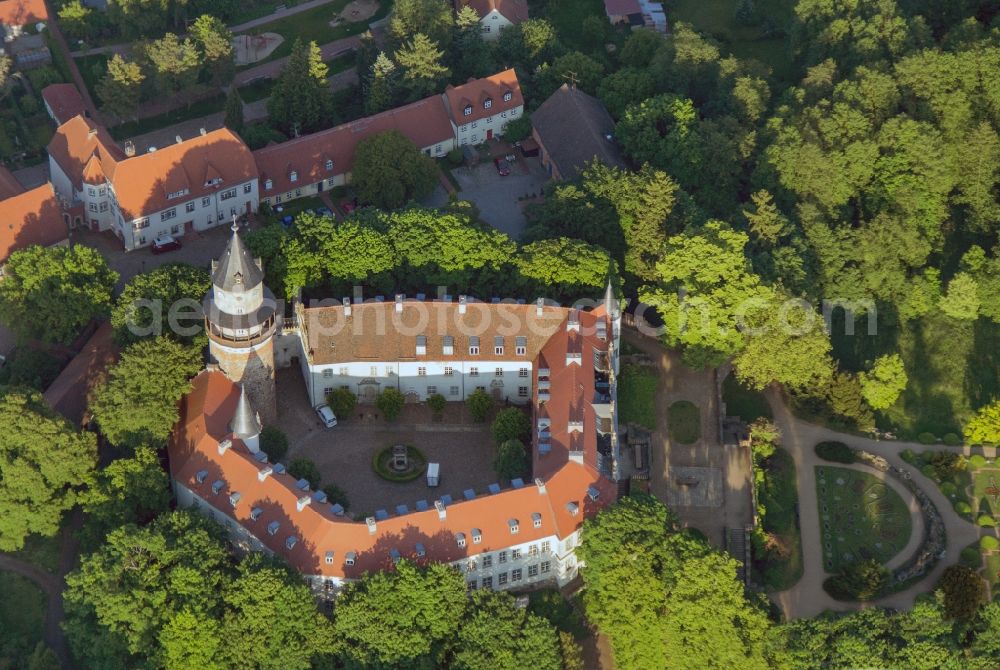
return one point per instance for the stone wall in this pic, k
(254, 368)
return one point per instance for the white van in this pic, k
(433, 470)
(326, 415)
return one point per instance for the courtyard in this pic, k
(861, 517)
(344, 454)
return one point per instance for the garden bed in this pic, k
(381, 464)
(636, 393)
(780, 566)
(684, 422)
(748, 404)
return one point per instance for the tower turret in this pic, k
(240, 320)
(246, 424)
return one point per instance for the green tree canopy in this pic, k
(301, 101)
(497, 635)
(510, 424)
(887, 379)
(389, 170)
(511, 459)
(145, 304)
(423, 66)
(984, 427)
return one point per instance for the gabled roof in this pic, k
(31, 217)
(9, 185)
(475, 93)
(64, 101)
(22, 12)
(244, 424)
(574, 129)
(236, 269)
(622, 7)
(514, 11)
(77, 141)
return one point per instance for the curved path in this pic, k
(807, 598)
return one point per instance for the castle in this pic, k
(562, 361)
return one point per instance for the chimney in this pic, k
(264, 473)
(539, 306)
(202, 131)
(399, 303)
(302, 502)
(442, 512)
(225, 445)
(572, 508)
(347, 306)
(541, 486)
(371, 525)
(91, 133)
(462, 301)
(177, 139)
(129, 148)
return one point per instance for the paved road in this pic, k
(807, 598)
(56, 33)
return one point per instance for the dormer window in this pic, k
(487, 103)
(329, 558)
(467, 111)
(514, 526)
(255, 513)
(448, 345)
(272, 528)
(293, 176)
(421, 345)
(474, 346)
(268, 184)
(217, 486)
(291, 542)
(460, 539)
(507, 96)
(329, 164)
(498, 345)
(521, 345)
(477, 536)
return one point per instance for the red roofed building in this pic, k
(62, 102)
(15, 14)
(31, 217)
(496, 15)
(500, 538)
(628, 12)
(482, 108)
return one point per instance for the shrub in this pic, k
(455, 157)
(986, 521)
(928, 471)
(437, 402)
(334, 494)
(274, 443)
(480, 405)
(951, 439)
(949, 489)
(989, 543)
(971, 557)
(837, 452)
(964, 590)
(927, 438)
(977, 461)
(518, 129)
(946, 464)
(908, 456)
(963, 508)
(303, 468)
(30, 367)
(511, 424)
(390, 402)
(863, 580)
(342, 402)
(511, 460)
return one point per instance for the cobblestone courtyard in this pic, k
(344, 453)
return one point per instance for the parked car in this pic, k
(165, 243)
(326, 415)
(503, 167)
(348, 206)
(324, 211)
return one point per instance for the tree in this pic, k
(30, 367)
(472, 56)
(342, 402)
(6, 65)
(565, 266)
(882, 386)
(433, 18)
(746, 13)
(43, 658)
(626, 87)
(271, 620)
(274, 443)
(574, 68)
(131, 490)
(518, 129)
(421, 62)
(498, 635)
(437, 403)
(138, 404)
(336, 496)
(480, 404)
(190, 639)
(860, 580)
(51, 293)
(303, 468)
(301, 100)
(146, 305)
(510, 424)
(389, 170)
(961, 300)
(175, 64)
(234, 111)
(42, 462)
(390, 402)
(511, 459)
(215, 43)
(766, 222)
(383, 85)
(984, 427)
(74, 19)
(403, 618)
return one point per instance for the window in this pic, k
(374, 371)
(467, 111)
(515, 554)
(349, 559)
(91, 191)
(343, 371)
(460, 539)
(546, 547)
(477, 536)
(521, 345)
(523, 372)
(189, 207)
(475, 124)
(327, 390)
(487, 103)
(421, 372)
(432, 390)
(485, 28)
(104, 206)
(327, 373)
(226, 195)
(141, 224)
(175, 229)
(522, 391)
(532, 571)
(92, 206)
(448, 371)
(503, 115)
(487, 582)
(536, 519)
(515, 575)
(329, 164)
(298, 192)
(453, 391)
(502, 579)
(473, 372)
(545, 566)
(205, 202)
(487, 560)
(507, 96)
(102, 191)
(277, 199)
(498, 372)
(294, 176)
(533, 550)
(329, 558)
(177, 194)
(448, 345)
(421, 345)
(255, 513)
(330, 182)
(272, 528)
(501, 557)
(169, 214)
(247, 187)
(268, 184)
(474, 346)
(498, 345)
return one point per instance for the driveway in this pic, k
(496, 196)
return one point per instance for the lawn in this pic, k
(747, 404)
(684, 422)
(986, 492)
(717, 19)
(861, 517)
(636, 390)
(781, 568)
(22, 618)
(992, 570)
(193, 111)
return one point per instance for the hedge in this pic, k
(986, 521)
(837, 452)
(971, 557)
(963, 508)
(951, 439)
(977, 461)
(380, 464)
(927, 438)
(989, 543)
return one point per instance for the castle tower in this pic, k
(240, 321)
(246, 424)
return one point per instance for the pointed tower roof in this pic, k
(236, 268)
(244, 423)
(611, 305)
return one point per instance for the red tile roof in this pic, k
(70, 393)
(621, 7)
(143, 186)
(32, 217)
(514, 11)
(64, 101)
(205, 414)
(9, 185)
(424, 122)
(77, 141)
(476, 92)
(22, 12)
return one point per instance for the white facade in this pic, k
(481, 130)
(197, 213)
(96, 200)
(491, 25)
